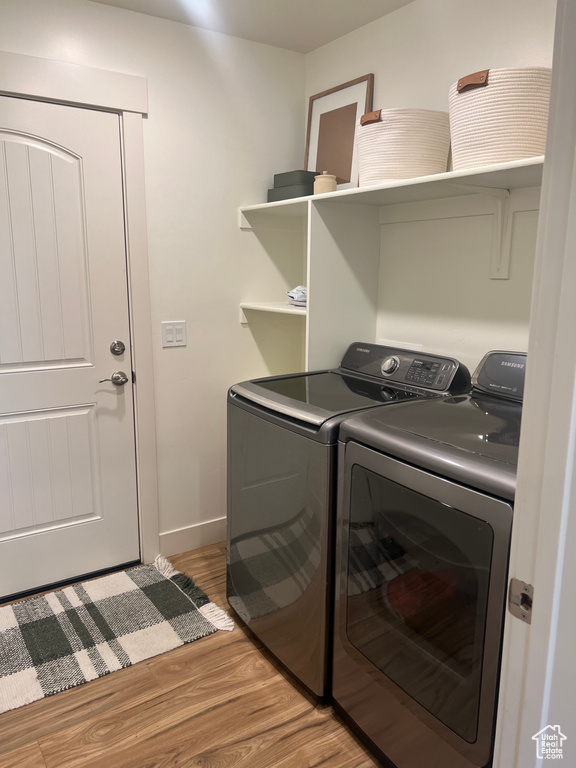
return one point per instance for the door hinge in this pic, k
(520, 598)
(133, 377)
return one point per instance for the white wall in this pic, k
(418, 51)
(435, 287)
(225, 114)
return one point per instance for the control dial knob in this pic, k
(390, 365)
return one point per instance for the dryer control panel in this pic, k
(405, 368)
(501, 373)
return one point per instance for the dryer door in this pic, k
(422, 575)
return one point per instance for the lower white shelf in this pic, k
(279, 307)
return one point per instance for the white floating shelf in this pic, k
(278, 307)
(514, 175)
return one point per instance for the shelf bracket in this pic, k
(502, 238)
(243, 222)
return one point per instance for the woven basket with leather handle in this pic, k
(499, 115)
(401, 144)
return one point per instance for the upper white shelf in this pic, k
(514, 175)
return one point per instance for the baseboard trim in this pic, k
(192, 537)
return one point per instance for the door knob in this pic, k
(118, 378)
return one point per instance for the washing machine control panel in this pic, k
(426, 373)
(390, 365)
(407, 369)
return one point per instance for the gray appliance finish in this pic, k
(282, 438)
(424, 519)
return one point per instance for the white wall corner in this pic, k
(192, 537)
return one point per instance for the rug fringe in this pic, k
(165, 566)
(217, 617)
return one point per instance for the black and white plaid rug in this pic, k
(65, 638)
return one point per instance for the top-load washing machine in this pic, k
(282, 436)
(423, 534)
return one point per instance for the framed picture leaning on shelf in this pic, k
(332, 119)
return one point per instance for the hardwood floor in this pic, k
(219, 702)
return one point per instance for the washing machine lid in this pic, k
(316, 397)
(471, 439)
(369, 375)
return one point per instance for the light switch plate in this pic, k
(173, 333)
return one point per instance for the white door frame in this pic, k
(127, 95)
(538, 673)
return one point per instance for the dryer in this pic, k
(423, 534)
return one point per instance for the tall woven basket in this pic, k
(499, 115)
(401, 144)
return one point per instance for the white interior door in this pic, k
(67, 458)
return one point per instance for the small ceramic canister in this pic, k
(324, 183)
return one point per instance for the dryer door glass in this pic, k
(417, 596)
